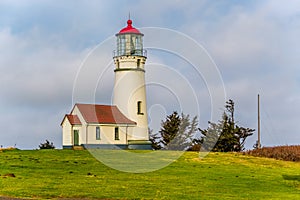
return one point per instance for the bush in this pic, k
(287, 153)
(47, 145)
(195, 147)
(8, 149)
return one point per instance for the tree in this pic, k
(47, 145)
(209, 136)
(177, 132)
(186, 134)
(225, 135)
(155, 140)
(169, 129)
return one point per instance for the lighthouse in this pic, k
(123, 125)
(129, 84)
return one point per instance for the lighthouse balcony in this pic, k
(132, 52)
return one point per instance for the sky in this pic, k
(253, 45)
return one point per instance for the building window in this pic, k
(138, 63)
(97, 133)
(117, 64)
(117, 135)
(139, 108)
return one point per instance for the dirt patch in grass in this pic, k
(9, 198)
(291, 177)
(8, 175)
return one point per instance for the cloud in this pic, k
(254, 44)
(36, 78)
(33, 68)
(255, 52)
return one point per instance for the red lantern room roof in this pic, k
(129, 29)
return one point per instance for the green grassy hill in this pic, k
(70, 174)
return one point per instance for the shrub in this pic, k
(47, 145)
(8, 149)
(287, 153)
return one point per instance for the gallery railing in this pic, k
(132, 52)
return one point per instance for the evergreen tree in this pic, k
(177, 132)
(187, 131)
(225, 135)
(169, 129)
(209, 136)
(155, 140)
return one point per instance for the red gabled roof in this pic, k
(103, 114)
(73, 119)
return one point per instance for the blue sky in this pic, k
(255, 45)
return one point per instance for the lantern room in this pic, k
(129, 42)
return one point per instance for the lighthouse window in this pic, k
(121, 45)
(139, 108)
(138, 62)
(138, 45)
(132, 45)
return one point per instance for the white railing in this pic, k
(133, 52)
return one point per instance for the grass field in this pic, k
(77, 174)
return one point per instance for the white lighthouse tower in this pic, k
(129, 89)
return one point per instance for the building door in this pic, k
(76, 137)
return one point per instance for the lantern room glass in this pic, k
(129, 44)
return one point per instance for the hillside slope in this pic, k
(77, 174)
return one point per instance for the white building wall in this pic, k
(130, 135)
(129, 62)
(107, 134)
(67, 133)
(83, 127)
(87, 132)
(129, 89)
